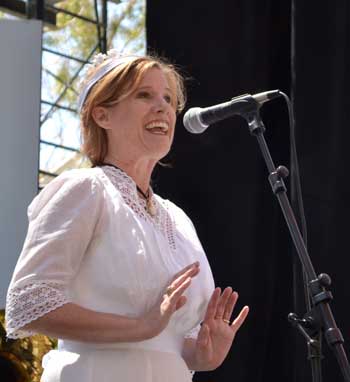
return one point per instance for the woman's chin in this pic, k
(161, 154)
(159, 150)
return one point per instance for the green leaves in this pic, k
(77, 37)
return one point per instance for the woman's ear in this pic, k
(101, 116)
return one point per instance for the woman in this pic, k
(114, 271)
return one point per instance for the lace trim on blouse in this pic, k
(27, 303)
(127, 187)
(193, 334)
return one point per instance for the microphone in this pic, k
(198, 119)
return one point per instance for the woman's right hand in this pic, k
(156, 320)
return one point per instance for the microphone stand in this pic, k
(319, 319)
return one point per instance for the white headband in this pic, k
(112, 59)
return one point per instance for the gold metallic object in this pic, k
(21, 358)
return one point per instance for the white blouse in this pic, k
(91, 242)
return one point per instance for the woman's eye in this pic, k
(143, 95)
(168, 98)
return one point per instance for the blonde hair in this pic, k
(112, 88)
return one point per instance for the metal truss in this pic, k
(46, 10)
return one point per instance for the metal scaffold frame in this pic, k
(46, 10)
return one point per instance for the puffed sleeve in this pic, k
(62, 221)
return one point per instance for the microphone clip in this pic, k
(255, 123)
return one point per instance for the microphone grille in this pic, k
(192, 121)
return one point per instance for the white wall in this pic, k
(20, 83)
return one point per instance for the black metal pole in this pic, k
(321, 317)
(66, 12)
(98, 28)
(105, 24)
(39, 9)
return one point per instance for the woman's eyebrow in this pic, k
(150, 87)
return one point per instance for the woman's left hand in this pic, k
(217, 333)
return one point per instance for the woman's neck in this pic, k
(139, 170)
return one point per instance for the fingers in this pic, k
(176, 298)
(231, 302)
(189, 271)
(212, 305)
(221, 307)
(223, 302)
(180, 282)
(217, 304)
(237, 323)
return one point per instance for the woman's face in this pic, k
(141, 126)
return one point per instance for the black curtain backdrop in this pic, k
(227, 48)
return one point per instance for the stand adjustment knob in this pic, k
(293, 318)
(324, 280)
(276, 179)
(282, 172)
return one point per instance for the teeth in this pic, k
(159, 124)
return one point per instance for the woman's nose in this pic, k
(160, 105)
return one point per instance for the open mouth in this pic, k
(157, 127)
